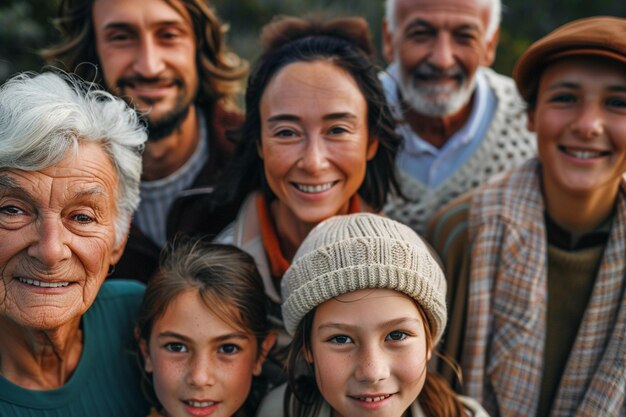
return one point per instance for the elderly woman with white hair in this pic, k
(70, 162)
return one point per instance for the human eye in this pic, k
(11, 210)
(563, 97)
(465, 36)
(338, 130)
(176, 347)
(229, 348)
(618, 102)
(170, 34)
(119, 36)
(419, 33)
(82, 218)
(396, 336)
(340, 339)
(14, 214)
(286, 133)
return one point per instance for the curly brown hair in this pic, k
(220, 71)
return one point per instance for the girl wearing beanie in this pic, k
(364, 301)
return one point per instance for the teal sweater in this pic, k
(106, 381)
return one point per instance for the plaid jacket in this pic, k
(506, 319)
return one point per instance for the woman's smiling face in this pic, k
(57, 238)
(314, 139)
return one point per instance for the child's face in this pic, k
(369, 352)
(580, 121)
(200, 365)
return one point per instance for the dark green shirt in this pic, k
(106, 381)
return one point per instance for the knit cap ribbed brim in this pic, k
(359, 251)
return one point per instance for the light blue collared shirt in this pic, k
(419, 158)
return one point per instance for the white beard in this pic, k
(435, 101)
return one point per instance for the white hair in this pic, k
(495, 14)
(42, 116)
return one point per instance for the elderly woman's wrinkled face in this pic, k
(57, 238)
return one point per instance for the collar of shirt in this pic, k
(564, 239)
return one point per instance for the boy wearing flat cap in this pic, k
(536, 261)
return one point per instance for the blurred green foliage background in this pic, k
(26, 25)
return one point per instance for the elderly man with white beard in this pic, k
(461, 122)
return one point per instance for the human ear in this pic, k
(308, 355)
(259, 149)
(266, 346)
(143, 348)
(388, 48)
(490, 49)
(530, 121)
(118, 250)
(372, 147)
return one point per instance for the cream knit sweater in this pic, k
(507, 144)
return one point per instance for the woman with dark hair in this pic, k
(318, 140)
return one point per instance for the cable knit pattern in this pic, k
(349, 253)
(507, 144)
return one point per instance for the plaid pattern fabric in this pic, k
(505, 335)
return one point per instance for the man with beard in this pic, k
(168, 59)
(461, 122)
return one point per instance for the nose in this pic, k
(148, 61)
(589, 123)
(442, 55)
(50, 245)
(372, 365)
(201, 371)
(315, 157)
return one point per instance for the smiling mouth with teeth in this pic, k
(200, 404)
(43, 284)
(312, 189)
(583, 154)
(373, 399)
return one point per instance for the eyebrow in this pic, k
(294, 118)
(14, 187)
(132, 26)
(8, 182)
(96, 190)
(170, 334)
(573, 85)
(562, 84)
(8, 186)
(428, 25)
(389, 323)
(418, 22)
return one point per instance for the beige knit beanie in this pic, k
(357, 251)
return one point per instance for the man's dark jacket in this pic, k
(141, 256)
